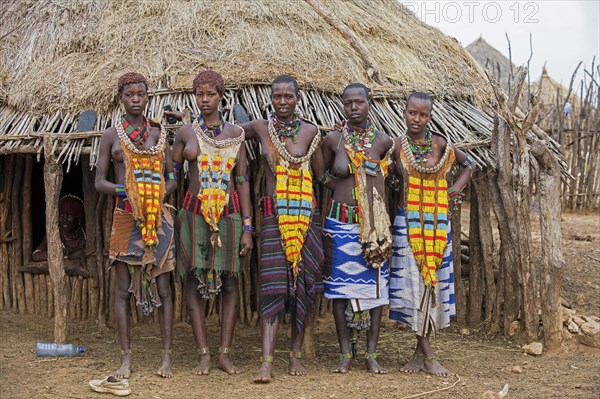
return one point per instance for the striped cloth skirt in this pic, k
(410, 302)
(277, 294)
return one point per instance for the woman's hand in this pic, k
(246, 243)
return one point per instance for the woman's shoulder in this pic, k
(234, 130)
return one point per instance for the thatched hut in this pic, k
(60, 58)
(493, 60)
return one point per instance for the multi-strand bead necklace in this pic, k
(286, 130)
(211, 130)
(419, 149)
(361, 137)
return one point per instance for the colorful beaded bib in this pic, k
(427, 209)
(144, 181)
(294, 197)
(216, 160)
(369, 178)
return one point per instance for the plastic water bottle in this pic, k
(55, 349)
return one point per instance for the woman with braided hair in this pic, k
(215, 220)
(141, 244)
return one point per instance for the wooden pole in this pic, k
(486, 241)
(99, 245)
(18, 300)
(28, 235)
(53, 175)
(90, 199)
(475, 263)
(459, 287)
(8, 168)
(553, 261)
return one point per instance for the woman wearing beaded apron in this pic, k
(422, 282)
(141, 244)
(357, 238)
(211, 237)
(289, 270)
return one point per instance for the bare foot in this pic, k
(165, 367)
(264, 374)
(433, 367)
(125, 370)
(204, 366)
(343, 366)
(227, 365)
(374, 367)
(295, 367)
(415, 365)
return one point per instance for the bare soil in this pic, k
(481, 362)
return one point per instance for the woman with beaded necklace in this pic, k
(357, 238)
(141, 244)
(422, 282)
(289, 271)
(211, 238)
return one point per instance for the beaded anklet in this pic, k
(371, 355)
(167, 351)
(266, 359)
(125, 352)
(347, 355)
(295, 354)
(203, 351)
(224, 349)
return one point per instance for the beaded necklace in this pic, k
(286, 129)
(211, 130)
(144, 182)
(411, 156)
(421, 150)
(293, 196)
(134, 133)
(362, 137)
(216, 160)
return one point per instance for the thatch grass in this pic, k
(493, 60)
(67, 55)
(61, 57)
(551, 93)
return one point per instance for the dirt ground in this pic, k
(481, 362)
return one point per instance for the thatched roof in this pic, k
(70, 53)
(551, 93)
(493, 60)
(62, 57)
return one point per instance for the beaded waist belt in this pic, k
(123, 204)
(269, 206)
(343, 212)
(192, 203)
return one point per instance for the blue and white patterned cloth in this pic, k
(408, 304)
(346, 275)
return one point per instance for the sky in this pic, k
(562, 32)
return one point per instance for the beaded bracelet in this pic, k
(468, 163)
(120, 190)
(171, 176)
(248, 223)
(451, 192)
(241, 179)
(177, 166)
